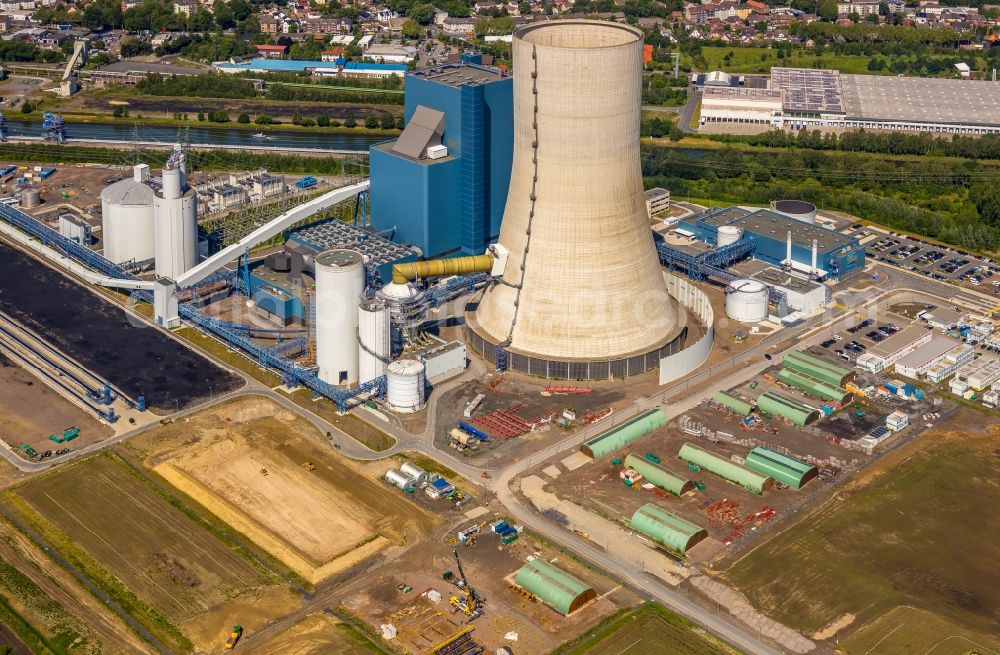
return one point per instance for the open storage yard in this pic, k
(422, 623)
(256, 476)
(102, 337)
(22, 395)
(918, 529)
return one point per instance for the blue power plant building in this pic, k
(838, 256)
(442, 185)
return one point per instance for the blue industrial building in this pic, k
(838, 256)
(447, 202)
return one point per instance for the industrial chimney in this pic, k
(582, 295)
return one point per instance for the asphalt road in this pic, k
(676, 399)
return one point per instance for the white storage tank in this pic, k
(405, 379)
(397, 479)
(175, 211)
(800, 210)
(340, 281)
(418, 476)
(127, 219)
(728, 234)
(746, 301)
(374, 332)
(396, 295)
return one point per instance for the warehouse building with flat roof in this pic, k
(821, 98)
(784, 469)
(668, 530)
(752, 481)
(920, 361)
(884, 354)
(556, 588)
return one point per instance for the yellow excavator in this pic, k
(470, 604)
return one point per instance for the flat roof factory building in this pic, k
(882, 355)
(801, 98)
(837, 255)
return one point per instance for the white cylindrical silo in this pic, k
(728, 234)
(405, 386)
(175, 211)
(397, 479)
(340, 281)
(417, 474)
(746, 301)
(127, 218)
(374, 335)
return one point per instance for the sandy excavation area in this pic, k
(265, 471)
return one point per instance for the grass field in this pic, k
(918, 530)
(760, 60)
(907, 630)
(649, 629)
(155, 560)
(229, 356)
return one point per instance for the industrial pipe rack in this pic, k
(713, 264)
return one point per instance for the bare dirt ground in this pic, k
(421, 623)
(251, 474)
(30, 411)
(316, 634)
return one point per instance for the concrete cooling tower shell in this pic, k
(583, 283)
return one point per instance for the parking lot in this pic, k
(940, 263)
(855, 340)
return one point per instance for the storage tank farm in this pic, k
(582, 295)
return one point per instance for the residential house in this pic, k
(272, 51)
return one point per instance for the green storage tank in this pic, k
(554, 587)
(671, 531)
(798, 413)
(659, 476)
(747, 478)
(624, 434)
(786, 470)
(732, 402)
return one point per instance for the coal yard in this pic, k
(134, 356)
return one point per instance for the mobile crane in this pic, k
(470, 604)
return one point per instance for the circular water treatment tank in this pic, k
(746, 301)
(405, 378)
(729, 234)
(800, 210)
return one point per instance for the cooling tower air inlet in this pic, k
(583, 293)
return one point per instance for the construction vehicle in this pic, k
(234, 637)
(470, 604)
(309, 466)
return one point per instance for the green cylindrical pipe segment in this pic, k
(403, 273)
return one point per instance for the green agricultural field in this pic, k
(921, 533)
(907, 630)
(649, 629)
(151, 557)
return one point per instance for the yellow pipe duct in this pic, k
(403, 273)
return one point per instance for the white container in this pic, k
(374, 331)
(340, 281)
(437, 152)
(746, 301)
(397, 479)
(418, 476)
(127, 219)
(405, 386)
(728, 234)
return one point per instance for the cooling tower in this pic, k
(582, 294)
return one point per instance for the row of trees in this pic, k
(156, 16)
(938, 198)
